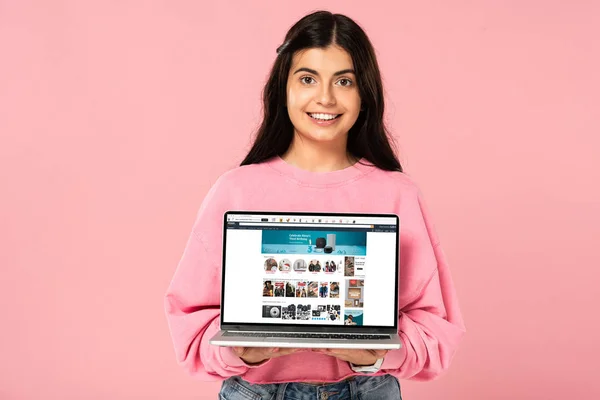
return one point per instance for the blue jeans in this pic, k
(360, 387)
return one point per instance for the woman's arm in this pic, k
(192, 301)
(192, 309)
(430, 323)
(430, 327)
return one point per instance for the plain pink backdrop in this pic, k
(116, 117)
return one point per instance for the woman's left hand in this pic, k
(356, 357)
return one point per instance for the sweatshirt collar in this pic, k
(316, 179)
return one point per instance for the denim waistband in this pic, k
(350, 388)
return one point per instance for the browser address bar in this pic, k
(307, 225)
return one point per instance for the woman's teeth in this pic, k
(324, 117)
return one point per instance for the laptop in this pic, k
(309, 280)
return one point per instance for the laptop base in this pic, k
(230, 339)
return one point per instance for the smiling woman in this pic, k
(324, 95)
(322, 145)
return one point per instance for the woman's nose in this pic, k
(326, 96)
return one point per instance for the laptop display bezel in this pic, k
(309, 328)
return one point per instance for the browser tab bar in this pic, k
(312, 219)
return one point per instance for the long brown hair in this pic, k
(368, 138)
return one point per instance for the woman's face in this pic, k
(322, 85)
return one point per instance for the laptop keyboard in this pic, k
(338, 336)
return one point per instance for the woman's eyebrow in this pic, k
(312, 71)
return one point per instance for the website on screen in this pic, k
(307, 269)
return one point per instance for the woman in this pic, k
(268, 289)
(322, 130)
(349, 320)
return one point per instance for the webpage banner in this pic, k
(281, 241)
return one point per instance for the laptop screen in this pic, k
(310, 269)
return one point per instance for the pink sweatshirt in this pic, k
(430, 322)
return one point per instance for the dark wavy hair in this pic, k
(368, 137)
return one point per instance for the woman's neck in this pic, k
(317, 157)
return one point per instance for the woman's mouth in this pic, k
(322, 119)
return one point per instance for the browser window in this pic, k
(310, 269)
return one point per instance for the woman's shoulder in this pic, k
(241, 174)
(396, 179)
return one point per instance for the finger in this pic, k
(268, 350)
(379, 353)
(256, 351)
(342, 352)
(324, 350)
(337, 353)
(352, 355)
(239, 351)
(285, 351)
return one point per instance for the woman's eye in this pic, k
(345, 82)
(306, 80)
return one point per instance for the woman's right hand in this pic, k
(256, 355)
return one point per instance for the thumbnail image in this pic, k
(285, 265)
(319, 312)
(267, 288)
(301, 289)
(300, 265)
(288, 312)
(334, 290)
(330, 266)
(353, 317)
(356, 282)
(348, 266)
(354, 295)
(314, 266)
(313, 289)
(279, 289)
(271, 312)
(303, 312)
(290, 289)
(270, 265)
(333, 312)
(324, 289)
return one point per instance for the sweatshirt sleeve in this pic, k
(430, 323)
(193, 296)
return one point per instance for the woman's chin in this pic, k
(323, 135)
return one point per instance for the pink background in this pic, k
(116, 117)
